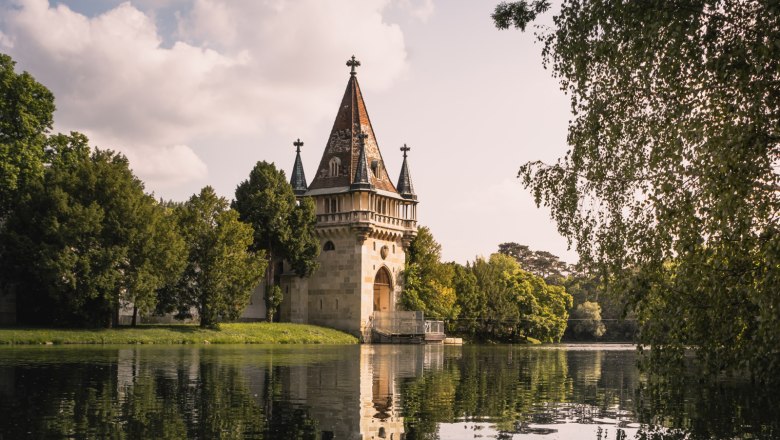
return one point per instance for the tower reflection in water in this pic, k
(358, 397)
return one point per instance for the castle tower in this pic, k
(364, 223)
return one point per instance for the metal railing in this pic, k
(434, 327)
(399, 323)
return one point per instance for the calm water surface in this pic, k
(365, 392)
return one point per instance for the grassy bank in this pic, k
(236, 333)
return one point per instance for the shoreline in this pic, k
(177, 334)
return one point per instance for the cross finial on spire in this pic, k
(362, 137)
(298, 144)
(352, 63)
(405, 149)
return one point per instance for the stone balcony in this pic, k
(366, 218)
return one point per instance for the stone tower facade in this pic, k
(364, 222)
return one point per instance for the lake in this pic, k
(366, 392)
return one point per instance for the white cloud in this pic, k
(238, 68)
(6, 41)
(419, 9)
(169, 166)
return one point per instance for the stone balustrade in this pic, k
(337, 218)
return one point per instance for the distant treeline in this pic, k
(515, 294)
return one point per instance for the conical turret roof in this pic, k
(343, 147)
(362, 176)
(298, 178)
(405, 187)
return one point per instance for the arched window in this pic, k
(329, 246)
(335, 167)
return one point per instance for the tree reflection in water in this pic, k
(507, 391)
(367, 392)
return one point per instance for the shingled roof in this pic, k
(405, 187)
(343, 146)
(298, 178)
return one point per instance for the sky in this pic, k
(195, 92)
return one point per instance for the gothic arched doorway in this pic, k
(382, 289)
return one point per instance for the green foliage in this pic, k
(619, 320)
(221, 271)
(518, 304)
(273, 298)
(587, 320)
(471, 298)
(283, 228)
(425, 251)
(518, 14)
(428, 282)
(156, 259)
(494, 299)
(26, 109)
(86, 239)
(539, 263)
(670, 186)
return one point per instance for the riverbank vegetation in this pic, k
(493, 299)
(515, 295)
(228, 333)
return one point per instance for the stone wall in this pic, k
(341, 291)
(372, 263)
(255, 311)
(334, 289)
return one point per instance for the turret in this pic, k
(362, 180)
(298, 178)
(405, 187)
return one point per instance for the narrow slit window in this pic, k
(335, 166)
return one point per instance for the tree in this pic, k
(670, 187)
(221, 269)
(424, 250)
(156, 259)
(26, 109)
(540, 263)
(428, 282)
(87, 238)
(518, 304)
(283, 227)
(273, 299)
(470, 298)
(587, 320)
(618, 319)
(501, 316)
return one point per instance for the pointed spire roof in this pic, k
(339, 163)
(405, 187)
(362, 180)
(298, 178)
